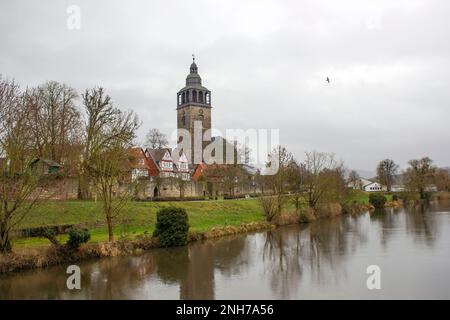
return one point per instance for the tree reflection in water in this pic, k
(282, 258)
(417, 221)
(319, 247)
(193, 266)
(110, 278)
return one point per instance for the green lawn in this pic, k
(137, 217)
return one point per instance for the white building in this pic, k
(374, 187)
(366, 185)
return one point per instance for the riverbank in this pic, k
(208, 219)
(296, 258)
(138, 218)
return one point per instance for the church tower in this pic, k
(194, 105)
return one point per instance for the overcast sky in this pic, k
(264, 61)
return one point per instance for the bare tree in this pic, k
(386, 171)
(279, 181)
(18, 182)
(322, 175)
(243, 154)
(419, 175)
(181, 183)
(296, 178)
(269, 206)
(442, 179)
(155, 139)
(233, 176)
(109, 134)
(353, 176)
(55, 122)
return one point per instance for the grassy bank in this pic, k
(140, 217)
(137, 218)
(133, 232)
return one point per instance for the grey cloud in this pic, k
(265, 63)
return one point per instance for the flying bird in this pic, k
(328, 80)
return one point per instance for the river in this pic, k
(323, 260)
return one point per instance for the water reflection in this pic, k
(282, 260)
(325, 259)
(106, 279)
(193, 267)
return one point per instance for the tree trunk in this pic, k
(83, 188)
(422, 193)
(297, 201)
(5, 243)
(110, 228)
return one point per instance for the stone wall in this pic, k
(67, 189)
(59, 189)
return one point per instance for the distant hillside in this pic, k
(366, 173)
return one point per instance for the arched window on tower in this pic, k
(194, 96)
(183, 98)
(183, 119)
(200, 96)
(208, 98)
(179, 99)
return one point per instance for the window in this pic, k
(141, 161)
(166, 165)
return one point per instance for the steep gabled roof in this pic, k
(135, 154)
(149, 164)
(48, 162)
(157, 154)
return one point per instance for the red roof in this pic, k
(135, 155)
(198, 173)
(202, 169)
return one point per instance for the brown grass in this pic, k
(328, 210)
(231, 230)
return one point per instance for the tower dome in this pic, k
(194, 92)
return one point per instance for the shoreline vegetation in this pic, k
(207, 219)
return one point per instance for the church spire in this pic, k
(194, 92)
(194, 68)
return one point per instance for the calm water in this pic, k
(325, 260)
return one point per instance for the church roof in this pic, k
(193, 80)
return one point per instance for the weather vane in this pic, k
(193, 58)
